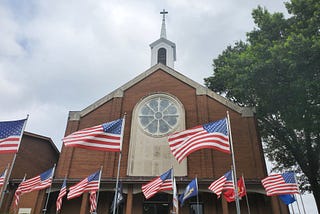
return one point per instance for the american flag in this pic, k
(223, 183)
(212, 135)
(39, 182)
(161, 183)
(93, 201)
(62, 193)
(3, 177)
(91, 183)
(105, 137)
(280, 184)
(18, 193)
(10, 134)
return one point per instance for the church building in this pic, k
(157, 103)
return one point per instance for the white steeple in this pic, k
(163, 33)
(162, 50)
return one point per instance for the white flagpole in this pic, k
(175, 202)
(292, 210)
(304, 210)
(45, 207)
(95, 211)
(234, 165)
(245, 187)
(120, 154)
(13, 162)
(297, 204)
(197, 196)
(4, 184)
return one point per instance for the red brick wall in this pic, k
(36, 155)
(199, 109)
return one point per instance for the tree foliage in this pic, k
(277, 70)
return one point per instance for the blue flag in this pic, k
(287, 199)
(190, 191)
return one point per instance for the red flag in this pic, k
(229, 194)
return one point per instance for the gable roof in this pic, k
(200, 90)
(48, 139)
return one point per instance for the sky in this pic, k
(58, 56)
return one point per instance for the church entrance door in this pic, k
(155, 208)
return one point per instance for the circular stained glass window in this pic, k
(158, 116)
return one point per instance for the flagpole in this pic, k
(120, 155)
(297, 204)
(99, 187)
(292, 210)
(4, 184)
(173, 183)
(117, 183)
(175, 209)
(197, 195)
(247, 201)
(234, 165)
(13, 161)
(304, 210)
(45, 207)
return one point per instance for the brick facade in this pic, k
(207, 165)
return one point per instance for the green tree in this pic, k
(277, 70)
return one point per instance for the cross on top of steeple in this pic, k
(163, 33)
(164, 12)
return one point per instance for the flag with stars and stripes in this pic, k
(3, 178)
(161, 183)
(223, 183)
(10, 135)
(62, 193)
(105, 137)
(212, 135)
(93, 201)
(39, 182)
(280, 184)
(90, 183)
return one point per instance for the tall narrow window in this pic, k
(162, 56)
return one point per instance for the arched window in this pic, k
(153, 118)
(162, 56)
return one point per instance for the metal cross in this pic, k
(164, 14)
